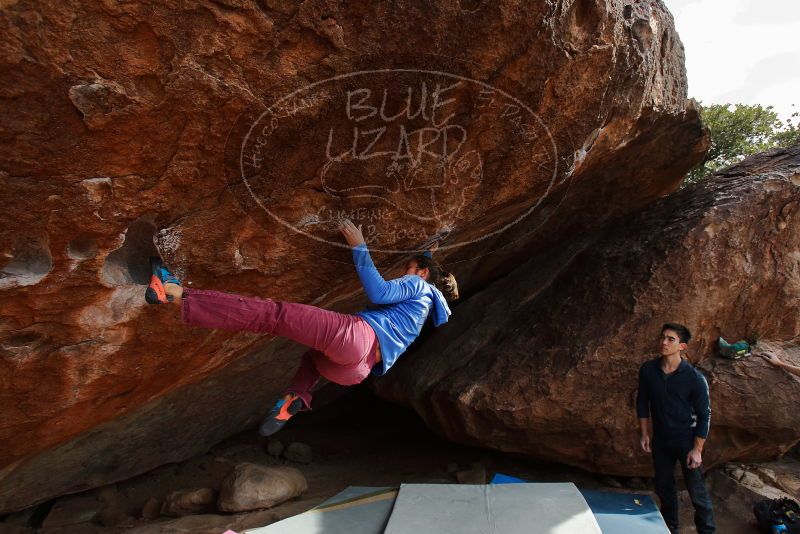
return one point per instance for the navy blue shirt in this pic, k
(677, 402)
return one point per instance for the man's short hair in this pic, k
(683, 333)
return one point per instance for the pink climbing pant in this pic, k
(343, 347)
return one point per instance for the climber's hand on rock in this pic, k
(351, 233)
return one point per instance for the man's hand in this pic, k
(777, 362)
(644, 441)
(773, 359)
(694, 459)
(351, 233)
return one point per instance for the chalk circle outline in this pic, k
(389, 71)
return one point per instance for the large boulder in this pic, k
(252, 486)
(234, 132)
(545, 361)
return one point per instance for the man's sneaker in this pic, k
(284, 409)
(155, 292)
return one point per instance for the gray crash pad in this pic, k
(557, 508)
(356, 510)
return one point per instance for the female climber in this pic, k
(344, 348)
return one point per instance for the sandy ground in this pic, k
(357, 440)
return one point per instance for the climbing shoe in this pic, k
(734, 351)
(160, 275)
(284, 409)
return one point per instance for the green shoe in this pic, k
(734, 351)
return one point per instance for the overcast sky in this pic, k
(744, 51)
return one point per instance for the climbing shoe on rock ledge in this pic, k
(155, 292)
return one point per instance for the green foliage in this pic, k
(739, 130)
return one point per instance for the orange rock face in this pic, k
(233, 134)
(545, 361)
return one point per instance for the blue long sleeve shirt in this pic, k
(401, 307)
(678, 403)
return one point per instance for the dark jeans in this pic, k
(665, 454)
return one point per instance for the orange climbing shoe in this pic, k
(155, 292)
(283, 410)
